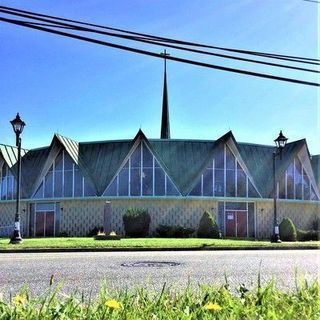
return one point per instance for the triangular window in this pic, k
(295, 183)
(64, 180)
(8, 184)
(141, 175)
(224, 177)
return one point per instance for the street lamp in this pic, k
(17, 125)
(280, 144)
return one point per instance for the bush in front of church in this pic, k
(208, 227)
(136, 222)
(287, 230)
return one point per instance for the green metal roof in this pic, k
(183, 160)
(10, 154)
(102, 160)
(31, 165)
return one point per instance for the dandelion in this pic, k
(213, 307)
(19, 300)
(112, 304)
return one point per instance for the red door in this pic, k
(40, 218)
(44, 224)
(230, 223)
(241, 224)
(49, 227)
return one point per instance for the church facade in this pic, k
(71, 187)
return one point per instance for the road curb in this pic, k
(204, 248)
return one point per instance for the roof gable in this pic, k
(182, 160)
(104, 159)
(10, 154)
(259, 160)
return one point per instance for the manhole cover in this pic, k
(152, 264)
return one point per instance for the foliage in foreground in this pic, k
(203, 303)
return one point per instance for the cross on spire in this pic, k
(165, 55)
(165, 123)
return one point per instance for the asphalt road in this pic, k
(85, 271)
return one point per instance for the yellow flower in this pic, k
(113, 304)
(213, 307)
(19, 300)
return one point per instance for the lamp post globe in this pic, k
(18, 126)
(280, 142)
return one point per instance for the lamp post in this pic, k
(17, 125)
(280, 144)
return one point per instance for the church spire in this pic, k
(165, 123)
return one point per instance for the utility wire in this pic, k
(145, 40)
(314, 1)
(157, 55)
(268, 55)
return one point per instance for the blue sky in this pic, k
(89, 92)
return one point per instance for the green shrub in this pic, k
(287, 230)
(165, 231)
(308, 235)
(208, 227)
(136, 222)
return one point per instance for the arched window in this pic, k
(64, 179)
(141, 175)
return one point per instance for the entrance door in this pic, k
(44, 223)
(241, 224)
(236, 223)
(231, 224)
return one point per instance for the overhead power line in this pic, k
(51, 23)
(164, 39)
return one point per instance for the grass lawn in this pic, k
(188, 243)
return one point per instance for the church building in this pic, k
(71, 187)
